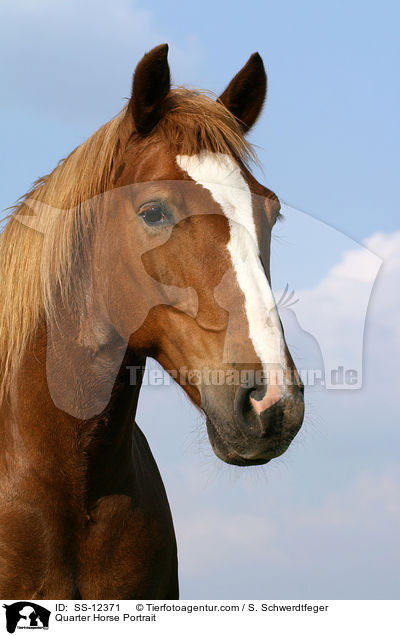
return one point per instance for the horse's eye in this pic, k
(154, 214)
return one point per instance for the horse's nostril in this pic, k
(242, 400)
(252, 414)
(245, 413)
(257, 393)
(263, 411)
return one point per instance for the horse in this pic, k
(151, 239)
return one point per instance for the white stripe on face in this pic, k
(222, 177)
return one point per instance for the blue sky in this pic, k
(323, 520)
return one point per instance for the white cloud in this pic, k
(355, 295)
(385, 302)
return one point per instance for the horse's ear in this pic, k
(246, 93)
(151, 85)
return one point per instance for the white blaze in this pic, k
(222, 177)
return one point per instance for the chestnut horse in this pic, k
(152, 238)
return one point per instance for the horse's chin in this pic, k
(248, 453)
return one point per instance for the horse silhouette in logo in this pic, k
(26, 615)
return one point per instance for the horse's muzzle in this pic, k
(253, 434)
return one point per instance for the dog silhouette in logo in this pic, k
(23, 614)
(303, 345)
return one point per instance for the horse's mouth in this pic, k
(251, 452)
(240, 435)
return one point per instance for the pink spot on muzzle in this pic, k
(273, 395)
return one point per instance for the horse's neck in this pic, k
(90, 454)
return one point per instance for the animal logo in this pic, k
(26, 615)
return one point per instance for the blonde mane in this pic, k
(35, 266)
